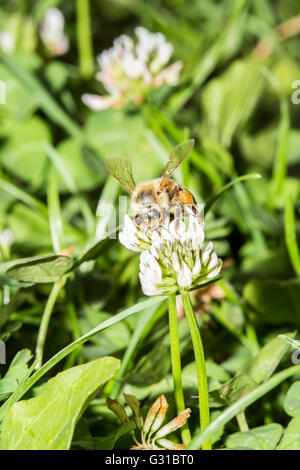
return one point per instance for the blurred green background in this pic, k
(234, 98)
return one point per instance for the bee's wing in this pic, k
(121, 169)
(178, 154)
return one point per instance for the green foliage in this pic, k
(72, 295)
(50, 417)
(261, 438)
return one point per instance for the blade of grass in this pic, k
(64, 172)
(20, 391)
(159, 122)
(24, 197)
(214, 198)
(280, 162)
(84, 38)
(55, 218)
(144, 323)
(34, 204)
(290, 234)
(39, 352)
(210, 59)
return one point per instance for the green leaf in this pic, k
(292, 342)
(41, 269)
(236, 388)
(292, 400)
(274, 302)
(95, 251)
(23, 154)
(291, 436)
(262, 366)
(108, 133)
(229, 99)
(47, 422)
(74, 345)
(152, 367)
(108, 442)
(261, 438)
(18, 371)
(45, 100)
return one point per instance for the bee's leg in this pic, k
(165, 216)
(176, 214)
(191, 210)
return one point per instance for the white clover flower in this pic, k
(7, 42)
(129, 70)
(172, 257)
(52, 32)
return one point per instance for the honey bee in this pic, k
(156, 202)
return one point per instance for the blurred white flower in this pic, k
(52, 32)
(129, 70)
(7, 42)
(172, 257)
(6, 240)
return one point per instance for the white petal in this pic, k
(51, 31)
(169, 75)
(54, 20)
(6, 237)
(197, 265)
(213, 261)
(163, 55)
(133, 67)
(184, 278)
(206, 253)
(127, 235)
(98, 103)
(156, 240)
(148, 287)
(125, 42)
(7, 42)
(215, 271)
(194, 236)
(177, 229)
(175, 262)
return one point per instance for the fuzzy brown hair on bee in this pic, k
(156, 202)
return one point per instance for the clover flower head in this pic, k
(7, 42)
(172, 257)
(52, 32)
(130, 70)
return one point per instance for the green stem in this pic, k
(84, 38)
(200, 364)
(242, 422)
(176, 364)
(45, 321)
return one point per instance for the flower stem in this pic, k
(176, 364)
(242, 422)
(45, 321)
(84, 38)
(200, 364)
